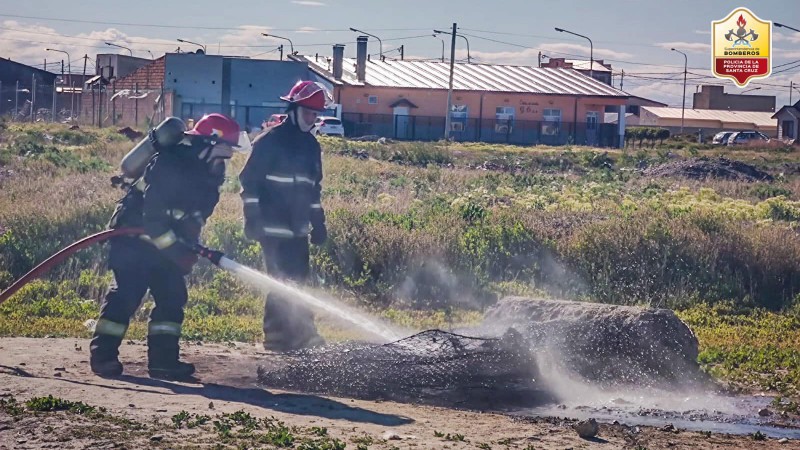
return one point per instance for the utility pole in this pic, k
(281, 50)
(685, 69)
(402, 52)
(540, 60)
(621, 79)
(790, 92)
(83, 84)
(16, 101)
(55, 89)
(450, 87)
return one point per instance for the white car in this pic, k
(328, 126)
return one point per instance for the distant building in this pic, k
(600, 71)
(189, 85)
(632, 107)
(707, 120)
(714, 97)
(788, 119)
(16, 87)
(406, 99)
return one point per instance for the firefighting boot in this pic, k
(162, 359)
(104, 355)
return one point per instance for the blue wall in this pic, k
(246, 89)
(195, 78)
(256, 82)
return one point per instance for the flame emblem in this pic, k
(741, 22)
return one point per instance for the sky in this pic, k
(631, 35)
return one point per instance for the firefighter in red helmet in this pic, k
(171, 201)
(281, 186)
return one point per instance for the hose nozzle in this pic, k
(212, 255)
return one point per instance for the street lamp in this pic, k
(151, 55)
(372, 35)
(119, 46)
(69, 62)
(469, 58)
(685, 69)
(291, 46)
(591, 49)
(195, 43)
(780, 25)
(752, 89)
(437, 37)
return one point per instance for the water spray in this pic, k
(244, 273)
(293, 293)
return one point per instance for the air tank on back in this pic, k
(167, 133)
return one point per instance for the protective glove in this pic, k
(186, 262)
(319, 234)
(253, 229)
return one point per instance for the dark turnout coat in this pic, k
(281, 182)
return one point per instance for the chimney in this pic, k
(361, 58)
(338, 58)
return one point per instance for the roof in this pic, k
(791, 110)
(761, 119)
(467, 77)
(581, 64)
(21, 66)
(148, 76)
(643, 100)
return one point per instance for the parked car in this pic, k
(328, 126)
(721, 138)
(273, 120)
(744, 137)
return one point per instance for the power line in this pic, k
(190, 27)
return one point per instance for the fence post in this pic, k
(99, 105)
(136, 105)
(55, 88)
(71, 100)
(33, 97)
(113, 102)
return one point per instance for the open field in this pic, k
(428, 235)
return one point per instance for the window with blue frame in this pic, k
(551, 123)
(504, 119)
(458, 117)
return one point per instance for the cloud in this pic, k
(691, 47)
(308, 3)
(26, 43)
(785, 37)
(529, 56)
(707, 33)
(306, 30)
(576, 50)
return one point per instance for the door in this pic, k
(402, 123)
(591, 128)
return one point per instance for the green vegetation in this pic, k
(430, 234)
(239, 429)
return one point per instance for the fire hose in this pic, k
(212, 255)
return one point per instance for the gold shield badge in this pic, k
(741, 47)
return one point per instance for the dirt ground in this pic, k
(140, 409)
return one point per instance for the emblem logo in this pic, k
(741, 47)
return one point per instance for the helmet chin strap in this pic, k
(296, 115)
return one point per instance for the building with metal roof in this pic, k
(600, 71)
(706, 120)
(408, 99)
(788, 122)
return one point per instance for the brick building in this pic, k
(493, 103)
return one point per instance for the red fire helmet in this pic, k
(309, 94)
(219, 126)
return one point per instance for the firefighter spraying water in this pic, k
(172, 179)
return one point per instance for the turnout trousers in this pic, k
(137, 267)
(288, 325)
